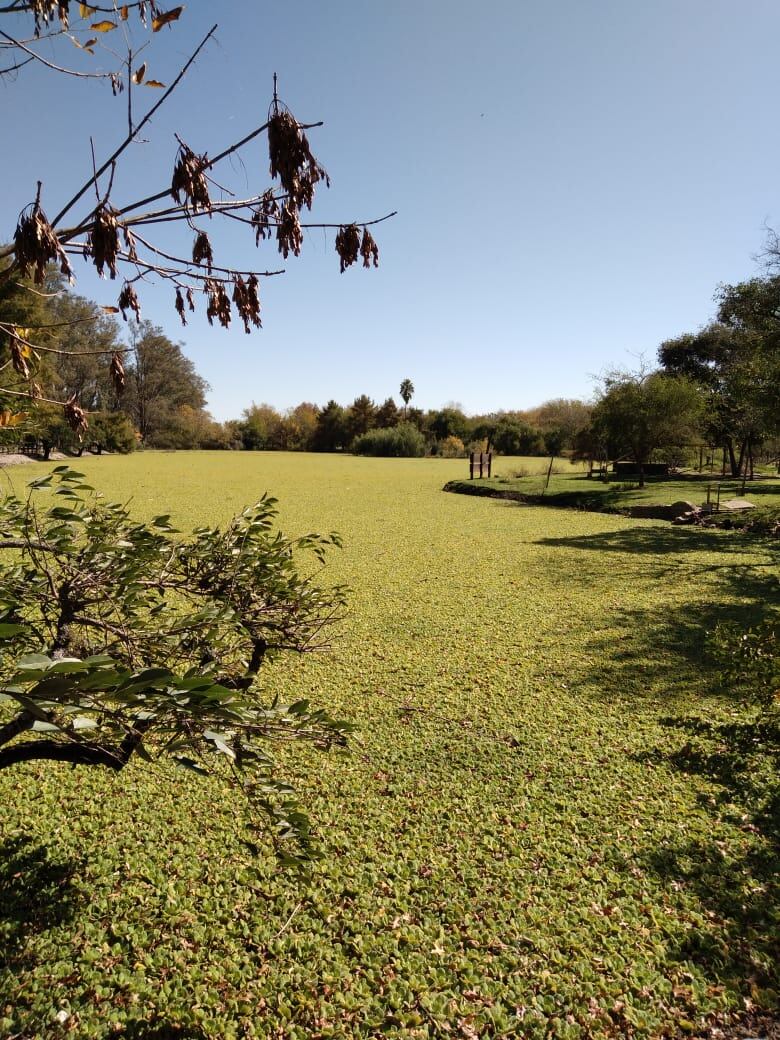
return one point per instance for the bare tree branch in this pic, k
(131, 137)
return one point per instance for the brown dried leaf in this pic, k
(108, 309)
(261, 218)
(75, 417)
(104, 26)
(219, 304)
(103, 239)
(289, 235)
(247, 301)
(129, 301)
(189, 180)
(190, 300)
(140, 72)
(201, 251)
(348, 245)
(36, 244)
(123, 12)
(166, 18)
(292, 161)
(117, 373)
(19, 359)
(180, 306)
(86, 10)
(369, 250)
(153, 83)
(129, 238)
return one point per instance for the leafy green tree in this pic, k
(361, 416)
(123, 640)
(512, 436)
(160, 380)
(565, 416)
(640, 413)
(449, 422)
(331, 432)
(300, 424)
(259, 427)
(112, 431)
(736, 362)
(387, 414)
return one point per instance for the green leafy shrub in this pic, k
(402, 441)
(112, 431)
(452, 448)
(122, 640)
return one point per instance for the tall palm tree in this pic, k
(406, 391)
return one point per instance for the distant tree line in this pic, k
(385, 429)
(716, 389)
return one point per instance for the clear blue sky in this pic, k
(572, 182)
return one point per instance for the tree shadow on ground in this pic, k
(739, 890)
(36, 894)
(657, 540)
(659, 655)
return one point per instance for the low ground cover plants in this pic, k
(556, 819)
(570, 487)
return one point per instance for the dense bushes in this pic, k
(402, 441)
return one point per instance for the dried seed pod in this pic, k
(75, 417)
(180, 306)
(36, 244)
(289, 235)
(129, 301)
(189, 179)
(291, 159)
(117, 373)
(129, 238)
(369, 250)
(219, 304)
(103, 239)
(190, 299)
(348, 245)
(247, 301)
(36, 391)
(45, 10)
(19, 357)
(201, 251)
(261, 218)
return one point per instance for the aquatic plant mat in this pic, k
(552, 822)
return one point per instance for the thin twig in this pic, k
(289, 921)
(128, 140)
(51, 65)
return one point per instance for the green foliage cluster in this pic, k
(122, 639)
(402, 441)
(554, 822)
